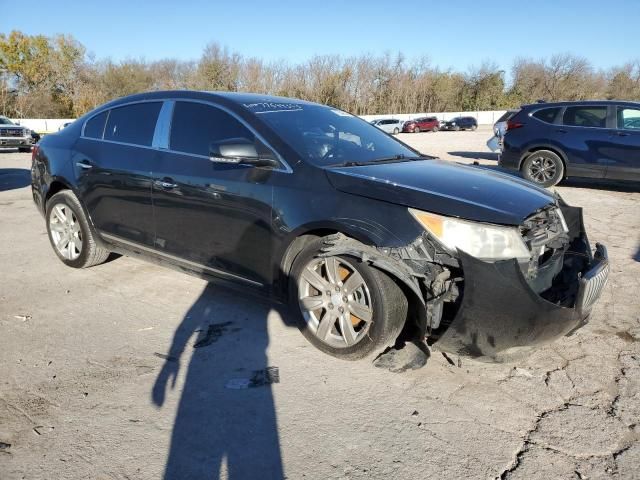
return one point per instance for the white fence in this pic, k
(483, 117)
(48, 125)
(43, 125)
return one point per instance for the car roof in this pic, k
(239, 98)
(581, 102)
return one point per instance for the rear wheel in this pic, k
(396, 131)
(346, 308)
(70, 234)
(543, 167)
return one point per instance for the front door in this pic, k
(212, 214)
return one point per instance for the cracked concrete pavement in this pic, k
(99, 378)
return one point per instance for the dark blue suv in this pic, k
(548, 142)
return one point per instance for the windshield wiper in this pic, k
(392, 159)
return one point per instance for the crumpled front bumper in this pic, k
(501, 316)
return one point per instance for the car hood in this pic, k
(446, 188)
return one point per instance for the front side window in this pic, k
(546, 115)
(133, 124)
(628, 118)
(326, 136)
(195, 126)
(585, 117)
(94, 128)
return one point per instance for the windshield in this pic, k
(326, 136)
(5, 121)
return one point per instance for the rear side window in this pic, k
(546, 115)
(95, 126)
(586, 116)
(195, 126)
(133, 123)
(629, 118)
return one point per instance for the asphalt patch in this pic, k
(213, 334)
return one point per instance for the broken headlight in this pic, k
(481, 240)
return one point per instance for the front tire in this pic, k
(345, 307)
(544, 168)
(70, 234)
(474, 128)
(416, 129)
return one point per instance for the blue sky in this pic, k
(455, 35)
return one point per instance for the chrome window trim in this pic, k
(164, 124)
(159, 100)
(215, 271)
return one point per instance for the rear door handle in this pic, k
(561, 130)
(84, 164)
(166, 183)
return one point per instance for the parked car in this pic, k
(14, 135)
(310, 205)
(423, 124)
(461, 123)
(548, 142)
(389, 125)
(500, 127)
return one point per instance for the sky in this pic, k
(452, 35)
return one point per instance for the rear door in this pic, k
(113, 160)
(217, 216)
(625, 145)
(586, 140)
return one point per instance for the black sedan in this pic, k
(360, 234)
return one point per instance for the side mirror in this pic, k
(239, 151)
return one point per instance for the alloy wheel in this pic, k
(65, 231)
(542, 169)
(335, 301)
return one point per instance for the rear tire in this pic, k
(379, 303)
(396, 131)
(474, 128)
(71, 236)
(544, 168)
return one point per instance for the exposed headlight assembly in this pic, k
(481, 240)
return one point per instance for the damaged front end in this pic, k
(491, 310)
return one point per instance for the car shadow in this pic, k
(12, 178)
(226, 424)
(476, 155)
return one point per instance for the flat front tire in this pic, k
(544, 168)
(345, 307)
(70, 234)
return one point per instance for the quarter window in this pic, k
(628, 118)
(94, 128)
(546, 115)
(195, 126)
(133, 123)
(586, 116)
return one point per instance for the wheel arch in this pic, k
(416, 306)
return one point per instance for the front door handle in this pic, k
(166, 183)
(84, 164)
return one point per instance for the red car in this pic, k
(423, 124)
